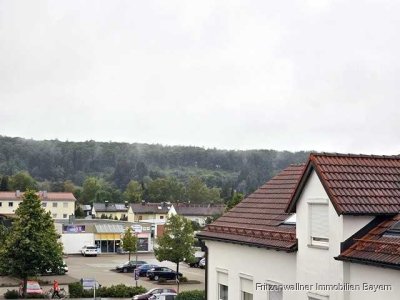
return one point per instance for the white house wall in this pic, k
(73, 242)
(316, 265)
(373, 277)
(249, 263)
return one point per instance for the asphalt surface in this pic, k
(102, 268)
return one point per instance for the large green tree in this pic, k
(32, 246)
(129, 242)
(22, 181)
(133, 192)
(198, 192)
(176, 244)
(165, 189)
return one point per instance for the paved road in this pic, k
(101, 267)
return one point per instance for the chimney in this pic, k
(18, 193)
(44, 194)
(106, 203)
(143, 202)
(126, 204)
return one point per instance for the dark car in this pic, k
(161, 272)
(195, 262)
(153, 292)
(144, 268)
(129, 266)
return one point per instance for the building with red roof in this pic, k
(329, 229)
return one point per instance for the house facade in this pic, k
(115, 211)
(60, 205)
(327, 230)
(152, 212)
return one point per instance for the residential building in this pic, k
(199, 212)
(119, 211)
(60, 205)
(326, 230)
(152, 212)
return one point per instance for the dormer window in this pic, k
(319, 223)
(291, 220)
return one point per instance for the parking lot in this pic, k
(102, 269)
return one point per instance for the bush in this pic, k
(191, 295)
(115, 291)
(13, 294)
(183, 279)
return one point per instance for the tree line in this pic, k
(99, 171)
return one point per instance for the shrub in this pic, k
(13, 294)
(191, 295)
(115, 291)
(183, 279)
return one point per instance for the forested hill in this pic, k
(118, 163)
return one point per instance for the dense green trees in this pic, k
(133, 192)
(104, 170)
(32, 246)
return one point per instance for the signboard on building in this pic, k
(73, 228)
(137, 228)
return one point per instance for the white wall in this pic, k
(248, 262)
(73, 242)
(371, 275)
(316, 265)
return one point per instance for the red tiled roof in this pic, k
(356, 184)
(55, 196)
(376, 247)
(257, 220)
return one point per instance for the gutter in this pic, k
(367, 262)
(288, 250)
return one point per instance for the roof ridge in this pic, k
(360, 155)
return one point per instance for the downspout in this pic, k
(206, 273)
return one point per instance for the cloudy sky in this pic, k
(295, 75)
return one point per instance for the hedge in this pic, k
(191, 295)
(115, 291)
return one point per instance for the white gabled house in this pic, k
(326, 230)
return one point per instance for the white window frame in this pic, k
(317, 242)
(44, 204)
(55, 204)
(10, 204)
(54, 216)
(65, 204)
(245, 281)
(222, 279)
(272, 283)
(65, 216)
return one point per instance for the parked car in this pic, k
(202, 263)
(153, 292)
(144, 268)
(129, 266)
(195, 263)
(61, 271)
(32, 288)
(164, 296)
(161, 272)
(89, 250)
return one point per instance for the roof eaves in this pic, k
(232, 241)
(367, 262)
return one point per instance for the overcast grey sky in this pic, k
(295, 75)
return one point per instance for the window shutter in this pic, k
(319, 220)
